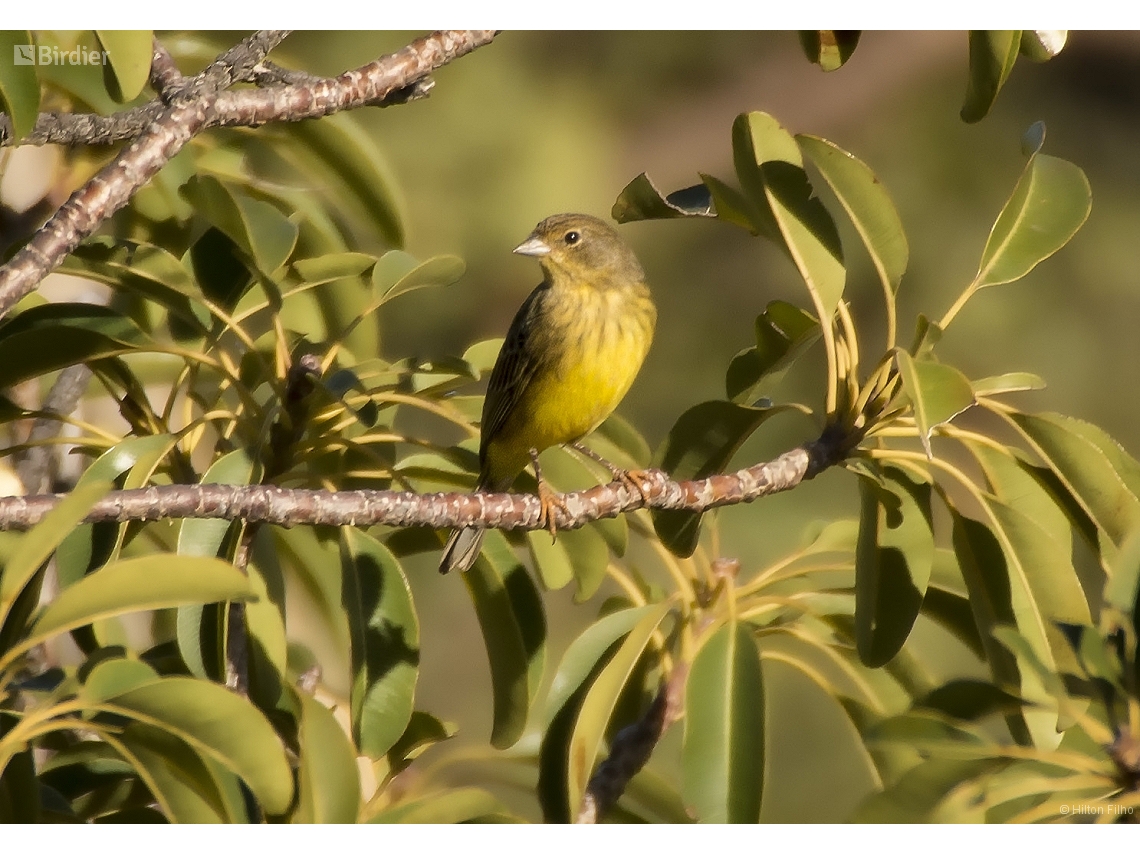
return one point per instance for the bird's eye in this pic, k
(572, 238)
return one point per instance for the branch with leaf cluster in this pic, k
(162, 129)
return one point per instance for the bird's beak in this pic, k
(532, 246)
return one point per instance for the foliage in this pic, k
(253, 249)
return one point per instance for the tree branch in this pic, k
(197, 108)
(280, 506)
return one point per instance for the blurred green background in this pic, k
(544, 122)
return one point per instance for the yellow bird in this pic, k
(571, 354)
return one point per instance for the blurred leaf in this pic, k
(992, 55)
(205, 538)
(1015, 381)
(829, 49)
(329, 268)
(550, 560)
(589, 557)
(128, 57)
(461, 804)
(600, 700)
(219, 268)
(514, 631)
(868, 205)
(1042, 45)
(1050, 203)
(970, 699)
(386, 642)
(398, 273)
(19, 86)
(37, 545)
(723, 757)
(112, 677)
(893, 562)
(258, 227)
(1033, 139)
(770, 168)
(783, 332)
(916, 796)
(218, 724)
(937, 392)
(702, 441)
(1101, 476)
(624, 436)
(136, 584)
(423, 731)
(1123, 588)
(52, 336)
(640, 200)
(328, 784)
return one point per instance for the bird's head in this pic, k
(580, 249)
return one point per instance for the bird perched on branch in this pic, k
(571, 354)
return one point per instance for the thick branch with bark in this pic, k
(286, 507)
(160, 130)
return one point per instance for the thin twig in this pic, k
(35, 470)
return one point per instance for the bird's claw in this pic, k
(549, 500)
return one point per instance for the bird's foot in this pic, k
(550, 499)
(633, 479)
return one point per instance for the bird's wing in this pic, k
(514, 368)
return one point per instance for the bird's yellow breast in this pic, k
(593, 348)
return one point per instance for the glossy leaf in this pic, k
(19, 86)
(38, 544)
(514, 631)
(992, 55)
(770, 168)
(398, 273)
(461, 804)
(1050, 203)
(722, 759)
(258, 227)
(701, 442)
(829, 49)
(641, 200)
(52, 336)
(1015, 381)
(600, 700)
(867, 203)
(1102, 477)
(219, 724)
(328, 784)
(136, 584)
(385, 644)
(937, 392)
(783, 332)
(128, 57)
(893, 562)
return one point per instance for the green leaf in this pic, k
(398, 273)
(992, 55)
(52, 336)
(1123, 588)
(1102, 477)
(258, 227)
(205, 538)
(770, 168)
(600, 700)
(1050, 203)
(385, 642)
(38, 544)
(550, 560)
(783, 332)
(867, 203)
(461, 804)
(218, 724)
(722, 760)
(701, 442)
(970, 700)
(1015, 381)
(19, 86)
(937, 392)
(128, 54)
(514, 631)
(1042, 45)
(893, 562)
(112, 677)
(328, 783)
(640, 200)
(136, 584)
(176, 775)
(829, 49)
(423, 731)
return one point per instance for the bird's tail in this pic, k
(461, 550)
